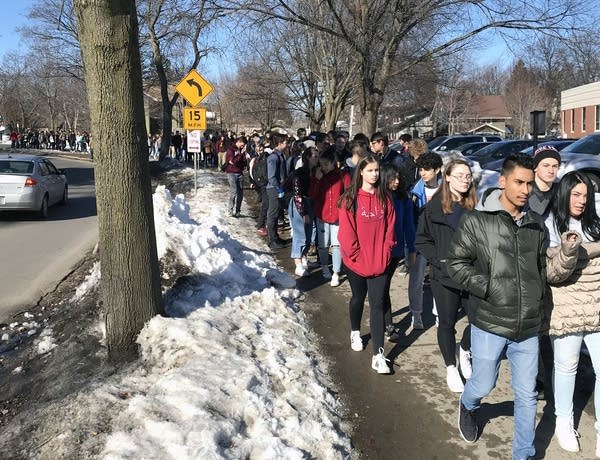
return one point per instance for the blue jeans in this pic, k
(487, 350)
(301, 231)
(567, 349)
(236, 191)
(327, 236)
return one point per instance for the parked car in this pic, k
(452, 142)
(470, 148)
(31, 183)
(557, 144)
(582, 155)
(499, 151)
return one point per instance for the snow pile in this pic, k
(235, 372)
(88, 284)
(46, 342)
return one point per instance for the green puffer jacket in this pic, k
(502, 264)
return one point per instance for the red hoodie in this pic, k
(325, 193)
(366, 235)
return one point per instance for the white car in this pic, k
(31, 183)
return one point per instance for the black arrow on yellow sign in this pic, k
(193, 82)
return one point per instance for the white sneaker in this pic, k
(566, 434)
(300, 270)
(379, 363)
(356, 342)
(464, 358)
(335, 280)
(453, 379)
(417, 322)
(326, 272)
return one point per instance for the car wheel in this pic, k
(65, 197)
(43, 212)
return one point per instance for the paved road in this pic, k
(36, 254)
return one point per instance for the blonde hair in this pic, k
(417, 147)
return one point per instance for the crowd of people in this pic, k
(521, 262)
(63, 140)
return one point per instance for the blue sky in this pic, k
(13, 14)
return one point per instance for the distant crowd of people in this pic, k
(522, 262)
(74, 141)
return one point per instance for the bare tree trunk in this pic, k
(130, 283)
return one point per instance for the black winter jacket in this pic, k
(502, 264)
(434, 234)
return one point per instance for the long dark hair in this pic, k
(306, 154)
(590, 222)
(348, 198)
(389, 172)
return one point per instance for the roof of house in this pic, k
(487, 107)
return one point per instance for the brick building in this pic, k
(580, 110)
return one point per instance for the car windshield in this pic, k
(437, 141)
(588, 144)
(486, 150)
(456, 141)
(16, 167)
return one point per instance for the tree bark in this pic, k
(130, 283)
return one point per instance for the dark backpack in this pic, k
(259, 172)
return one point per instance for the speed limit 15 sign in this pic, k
(194, 119)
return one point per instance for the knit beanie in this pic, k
(543, 152)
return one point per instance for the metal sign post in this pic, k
(194, 139)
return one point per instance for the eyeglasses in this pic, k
(461, 178)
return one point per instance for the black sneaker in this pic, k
(389, 330)
(467, 423)
(276, 245)
(396, 336)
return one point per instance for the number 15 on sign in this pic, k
(194, 119)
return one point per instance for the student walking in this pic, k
(429, 166)
(236, 162)
(437, 225)
(404, 230)
(300, 210)
(327, 186)
(574, 307)
(498, 255)
(276, 179)
(366, 238)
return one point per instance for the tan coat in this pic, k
(573, 271)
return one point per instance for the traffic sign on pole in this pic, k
(194, 88)
(194, 118)
(194, 141)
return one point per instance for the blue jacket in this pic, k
(418, 195)
(404, 227)
(276, 173)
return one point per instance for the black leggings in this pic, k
(387, 306)
(448, 302)
(375, 287)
